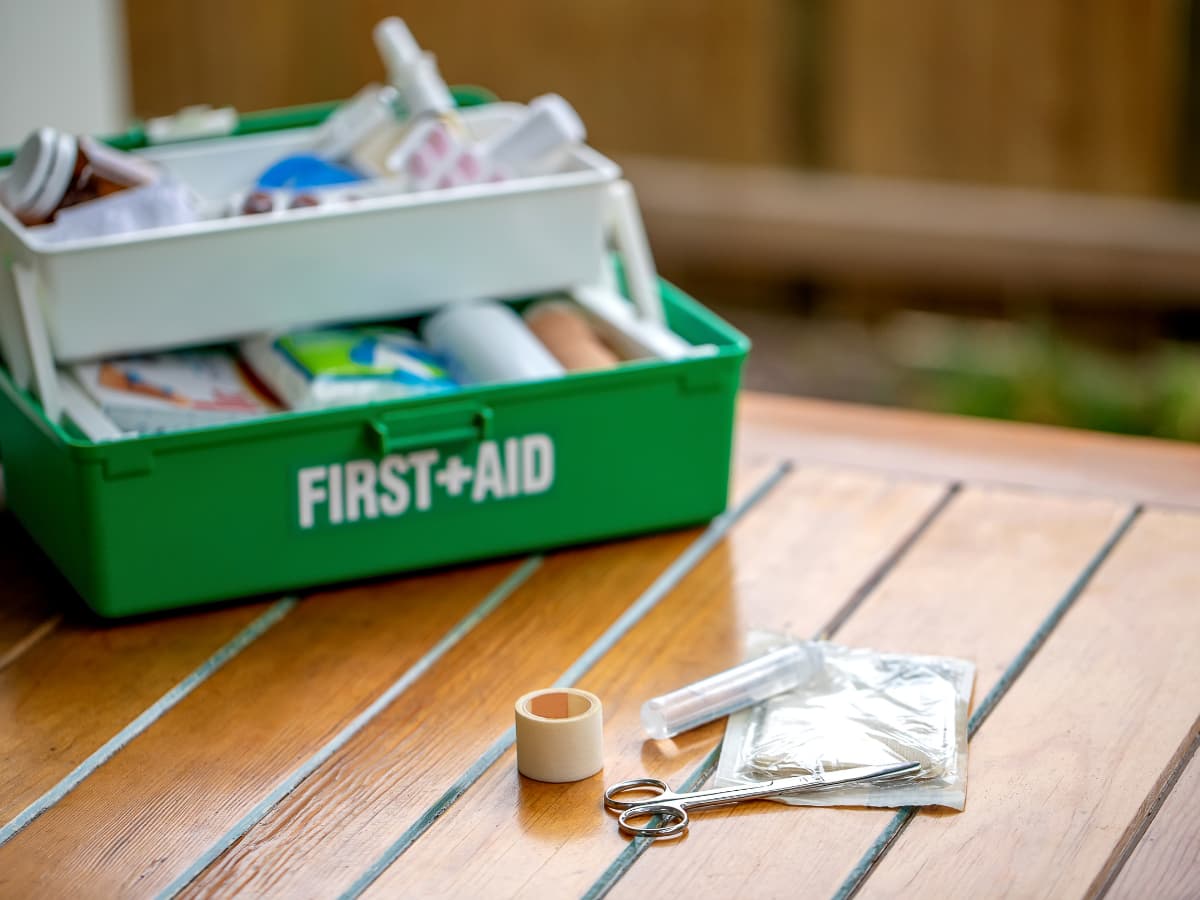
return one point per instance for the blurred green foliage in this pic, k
(1032, 373)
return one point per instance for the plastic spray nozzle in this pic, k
(727, 692)
(398, 49)
(410, 69)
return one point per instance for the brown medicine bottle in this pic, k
(54, 170)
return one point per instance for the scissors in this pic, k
(672, 807)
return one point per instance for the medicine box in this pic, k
(300, 499)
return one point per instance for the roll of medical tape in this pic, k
(560, 735)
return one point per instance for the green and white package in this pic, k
(326, 367)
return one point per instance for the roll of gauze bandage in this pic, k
(486, 343)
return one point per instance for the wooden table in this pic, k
(357, 740)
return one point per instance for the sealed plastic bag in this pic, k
(860, 708)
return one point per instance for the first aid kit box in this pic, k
(297, 499)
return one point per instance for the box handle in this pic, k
(38, 365)
(401, 431)
(629, 237)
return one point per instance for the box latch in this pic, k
(396, 432)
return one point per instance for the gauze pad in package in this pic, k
(859, 708)
(327, 367)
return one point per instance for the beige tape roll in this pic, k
(560, 735)
(564, 330)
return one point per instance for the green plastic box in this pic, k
(301, 499)
(173, 520)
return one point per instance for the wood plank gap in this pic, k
(155, 711)
(650, 598)
(636, 847)
(36, 634)
(1153, 804)
(1039, 637)
(872, 581)
(293, 780)
(876, 852)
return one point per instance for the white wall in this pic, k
(64, 65)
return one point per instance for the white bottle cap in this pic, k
(550, 123)
(398, 49)
(40, 175)
(425, 91)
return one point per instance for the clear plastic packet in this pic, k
(860, 708)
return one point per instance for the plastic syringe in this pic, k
(727, 692)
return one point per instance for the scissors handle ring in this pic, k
(674, 820)
(659, 788)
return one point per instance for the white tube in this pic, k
(727, 692)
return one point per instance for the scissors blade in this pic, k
(844, 776)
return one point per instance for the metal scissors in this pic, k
(673, 808)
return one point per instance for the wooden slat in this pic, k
(789, 224)
(790, 565)
(391, 771)
(141, 817)
(1016, 91)
(83, 682)
(31, 592)
(891, 440)
(643, 77)
(1166, 862)
(339, 821)
(1064, 769)
(976, 586)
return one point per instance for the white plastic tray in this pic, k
(222, 279)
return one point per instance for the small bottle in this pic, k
(54, 170)
(422, 92)
(398, 49)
